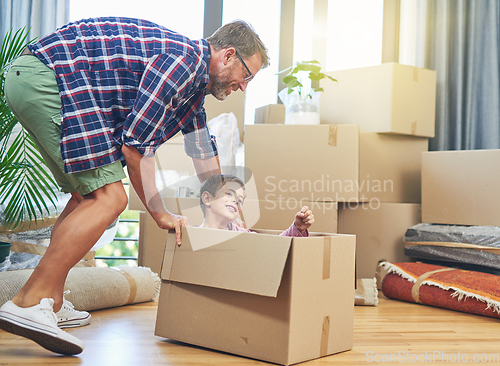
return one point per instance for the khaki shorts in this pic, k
(33, 96)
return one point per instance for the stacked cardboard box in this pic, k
(461, 187)
(460, 202)
(365, 155)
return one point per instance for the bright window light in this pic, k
(264, 16)
(185, 17)
(354, 34)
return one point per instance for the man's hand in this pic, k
(167, 221)
(304, 219)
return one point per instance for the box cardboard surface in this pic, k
(279, 215)
(390, 98)
(379, 232)
(250, 294)
(333, 163)
(461, 187)
(273, 215)
(271, 113)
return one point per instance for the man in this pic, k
(122, 87)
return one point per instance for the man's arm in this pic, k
(141, 170)
(205, 168)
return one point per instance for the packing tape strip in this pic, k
(332, 135)
(37, 249)
(30, 225)
(416, 287)
(454, 245)
(325, 334)
(131, 282)
(327, 250)
(414, 128)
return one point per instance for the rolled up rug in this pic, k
(445, 287)
(93, 288)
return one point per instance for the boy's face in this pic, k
(228, 201)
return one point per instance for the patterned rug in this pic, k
(444, 287)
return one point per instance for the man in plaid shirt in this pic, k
(99, 94)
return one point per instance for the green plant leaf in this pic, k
(318, 90)
(289, 78)
(307, 67)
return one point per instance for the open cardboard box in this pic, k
(259, 295)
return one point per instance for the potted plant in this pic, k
(302, 101)
(26, 185)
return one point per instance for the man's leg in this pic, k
(75, 235)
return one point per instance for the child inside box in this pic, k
(221, 198)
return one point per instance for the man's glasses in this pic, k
(248, 78)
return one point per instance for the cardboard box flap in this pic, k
(231, 260)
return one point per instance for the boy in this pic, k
(221, 198)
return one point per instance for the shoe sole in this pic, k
(53, 344)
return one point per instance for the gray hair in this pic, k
(240, 35)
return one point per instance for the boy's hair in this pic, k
(216, 182)
(240, 35)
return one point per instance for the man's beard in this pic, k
(221, 84)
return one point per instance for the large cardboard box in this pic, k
(461, 187)
(250, 294)
(271, 113)
(333, 163)
(391, 98)
(379, 232)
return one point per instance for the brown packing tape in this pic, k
(178, 203)
(332, 135)
(327, 250)
(132, 283)
(416, 287)
(30, 225)
(37, 249)
(325, 334)
(453, 245)
(414, 128)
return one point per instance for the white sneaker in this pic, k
(68, 317)
(39, 323)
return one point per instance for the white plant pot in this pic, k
(300, 111)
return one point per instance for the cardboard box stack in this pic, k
(253, 297)
(460, 202)
(365, 155)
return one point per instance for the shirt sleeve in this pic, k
(166, 83)
(293, 231)
(198, 143)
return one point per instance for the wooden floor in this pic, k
(395, 331)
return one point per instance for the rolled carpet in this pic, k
(93, 288)
(445, 287)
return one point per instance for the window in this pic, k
(264, 16)
(185, 17)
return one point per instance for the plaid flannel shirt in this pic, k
(126, 81)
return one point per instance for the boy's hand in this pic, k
(304, 219)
